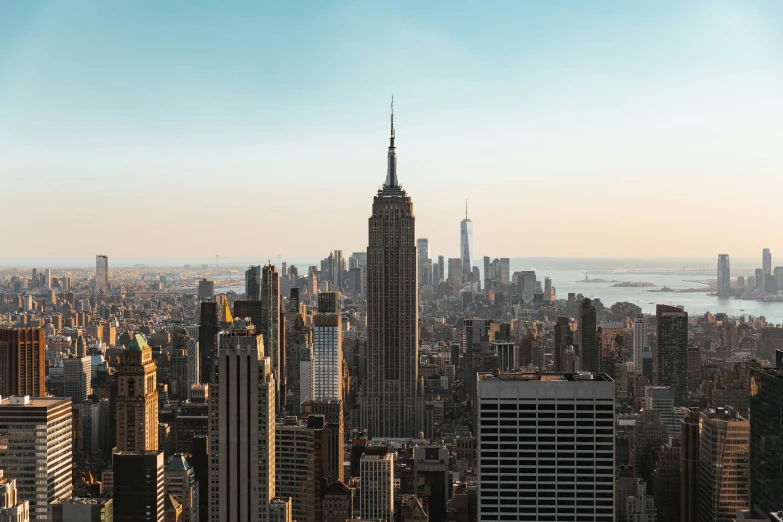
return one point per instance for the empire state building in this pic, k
(390, 403)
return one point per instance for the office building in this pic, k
(139, 489)
(441, 270)
(301, 464)
(281, 510)
(724, 275)
(431, 479)
(332, 411)
(300, 386)
(90, 423)
(242, 432)
(564, 337)
(589, 345)
(423, 253)
(661, 398)
(102, 275)
(22, 362)
(766, 262)
(640, 341)
(36, 435)
(78, 376)
(270, 326)
(82, 510)
(181, 483)
(207, 330)
(193, 366)
(12, 509)
(390, 405)
(338, 502)
(689, 466)
(766, 441)
(137, 398)
(454, 275)
(376, 467)
(507, 354)
(253, 283)
(558, 464)
(327, 349)
(206, 289)
(466, 244)
(723, 464)
(672, 353)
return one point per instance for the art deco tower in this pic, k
(390, 402)
(137, 399)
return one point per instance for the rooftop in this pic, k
(547, 377)
(138, 343)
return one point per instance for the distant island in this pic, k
(634, 284)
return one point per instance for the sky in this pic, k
(186, 129)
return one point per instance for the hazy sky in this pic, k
(575, 129)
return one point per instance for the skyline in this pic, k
(160, 125)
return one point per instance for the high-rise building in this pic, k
(102, 275)
(194, 374)
(338, 502)
(207, 330)
(327, 349)
(77, 378)
(36, 449)
(139, 486)
(377, 479)
(431, 479)
(661, 398)
(137, 398)
(12, 509)
(589, 345)
(466, 244)
(455, 271)
(423, 253)
(689, 466)
(181, 482)
(441, 269)
(300, 387)
(390, 405)
(22, 362)
(723, 464)
(301, 455)
(206, 289)
(270, 326)
(564, 337)
(281, 510)
(640, 342)
(724, 275)
(242, 432)
(253, 283)
(505, 270)
(766, 262)
(562, 467)
(91, 424)
(332, 411)
(672, 352)
(74, 509)
(766, 441)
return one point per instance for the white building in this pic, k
(78, 378)
(327, 356)
(640, 343)
(241, 431)
(377, 480)
(662, 398)
(558, 458)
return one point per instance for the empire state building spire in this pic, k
(391, 171)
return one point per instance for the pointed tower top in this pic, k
(466, 209)
(392, 121)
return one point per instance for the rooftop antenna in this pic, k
(466, 209)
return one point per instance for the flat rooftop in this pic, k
(546, 377)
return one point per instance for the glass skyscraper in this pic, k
(466, 244)
(766, 441)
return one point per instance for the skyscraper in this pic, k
(562, 466)
(22, 362)
(390, 406)
(36, 449)
(672, 353)
(689, 466)
(589, 346)
(102, 275)
(270, 326)
(564, 337)
(723, 464)
(332, 411)
(724, 275)
(137, 399)
(327, 349)
(640, 343)
(241, 431)
(466, 243)
(423, 251)
(766, 262)
(377, 480)
(441, 269)
(207, 331)
(253, 283)
(766, 441)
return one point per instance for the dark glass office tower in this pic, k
(589, 347)
(207, 331)
(672, 352)
(139, 486)
(564, 338)
(766, 441)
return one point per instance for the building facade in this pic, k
(671, 357)
(558, 463)
(22, 362)
(390, 405)
(377, 479)
(137, 399)
(724, 275)
(139, 489)
(102, 275)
